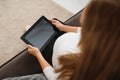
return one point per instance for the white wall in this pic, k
(73, 5)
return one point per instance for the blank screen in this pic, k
(40, 34)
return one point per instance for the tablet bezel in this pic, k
(32, 27)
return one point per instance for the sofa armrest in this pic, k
(21, 64)
(26, 64)
(74, 20)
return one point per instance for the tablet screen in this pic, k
(40, 33)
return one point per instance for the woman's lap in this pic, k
(28, 77)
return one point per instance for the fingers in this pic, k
(30, 47)
(50, 20)
(53, 21)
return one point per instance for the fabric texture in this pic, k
(66, 44)
(28, 77)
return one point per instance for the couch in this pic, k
(26, 64)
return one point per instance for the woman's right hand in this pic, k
(33, 50)
(58, 25)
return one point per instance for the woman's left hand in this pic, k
(58, 24)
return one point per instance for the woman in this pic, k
(65, 44)
(99, 45)
(96, 55)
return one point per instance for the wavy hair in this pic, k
(100, 45)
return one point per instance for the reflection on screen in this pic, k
(40, 34)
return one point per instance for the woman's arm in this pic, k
(35, 51)
(46, 67)
(42, 61)
(67, 28)
(63, 27)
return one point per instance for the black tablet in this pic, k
(40, 33)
